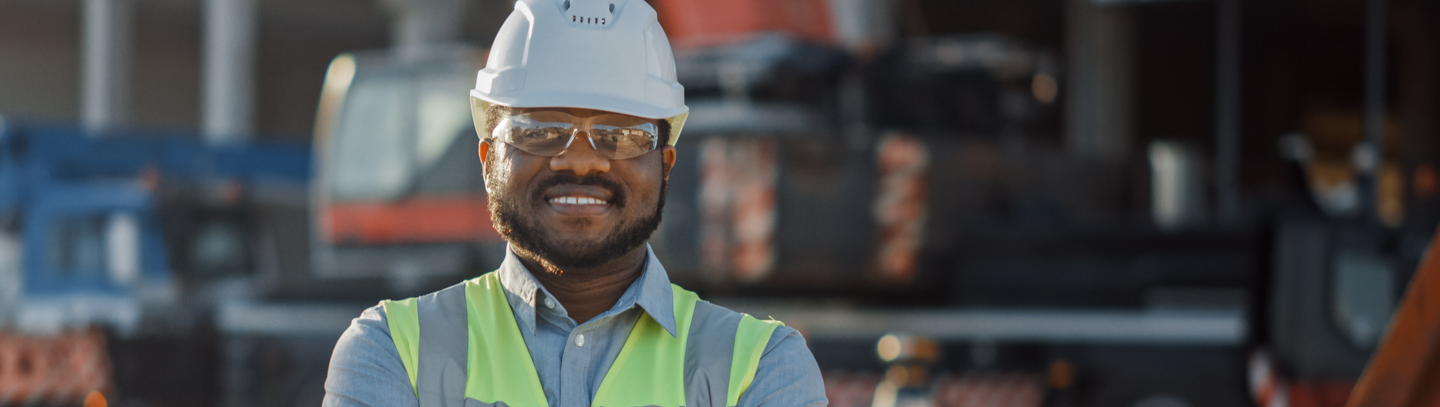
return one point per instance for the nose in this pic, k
(580, 157)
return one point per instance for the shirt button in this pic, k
(549, 303)
(580, 340)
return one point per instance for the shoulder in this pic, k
(454, 289)
(372, 322)
(365, 369)
(367, 333)
(371, 333)
(782, 342)
(786, 373)
(404, 311)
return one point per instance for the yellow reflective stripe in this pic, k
(750, 340)
(651, 359)
(404, 320)
(499, 365)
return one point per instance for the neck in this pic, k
(587, 292)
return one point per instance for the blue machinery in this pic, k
(84, 234)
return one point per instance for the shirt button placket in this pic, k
(574, 383)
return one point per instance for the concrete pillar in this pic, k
(418, 23)
(1100, 108)
(228, 81)
(105, 63)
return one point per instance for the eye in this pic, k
(538, 133)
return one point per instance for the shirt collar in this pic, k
(653, 287)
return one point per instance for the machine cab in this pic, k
(399, 191)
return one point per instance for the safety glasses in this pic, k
(548, 133)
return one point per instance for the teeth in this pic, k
(572, 200)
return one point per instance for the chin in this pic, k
(580, 230)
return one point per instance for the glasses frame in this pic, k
(587, 125)
(479, 108)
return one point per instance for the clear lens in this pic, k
(623, 142)
(535, 134)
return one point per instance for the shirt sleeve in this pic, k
(787, 375)
(365, 370)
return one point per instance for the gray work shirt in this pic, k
(571, 359)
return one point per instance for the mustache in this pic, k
(617, 194)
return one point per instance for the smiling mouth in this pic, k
(577, 200)
(582, 197)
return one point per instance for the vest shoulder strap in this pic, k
(404, 322)
(723, 354)
(442, 358)
(430, 335)
(751, 337)
(501, 371)
(708, 355)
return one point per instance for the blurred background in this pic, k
(958, 202)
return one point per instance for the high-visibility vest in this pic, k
(461, 347)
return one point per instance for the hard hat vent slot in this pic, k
(589, 20)
(592, 13)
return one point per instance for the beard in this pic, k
(526, 235)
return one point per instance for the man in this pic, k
(578, 111)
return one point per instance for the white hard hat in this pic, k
(607, 55)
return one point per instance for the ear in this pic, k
(667, 154)
(484, 162)
(484, 152)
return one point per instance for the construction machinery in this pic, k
(398, 191)
(139, 232)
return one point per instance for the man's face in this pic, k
(575, 210)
